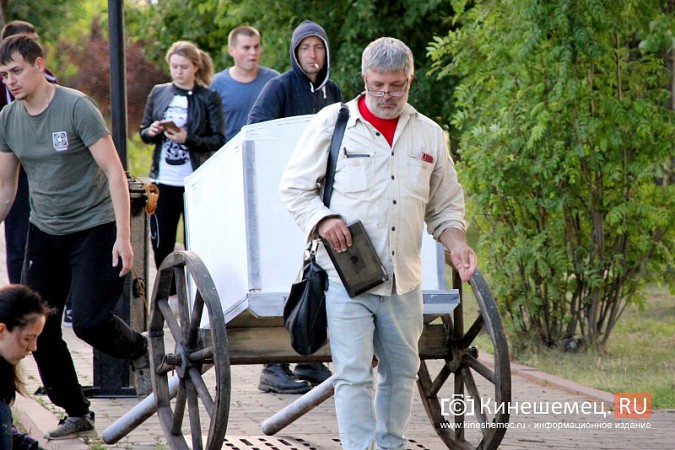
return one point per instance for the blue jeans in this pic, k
(388, 327)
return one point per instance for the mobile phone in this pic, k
(169, 124)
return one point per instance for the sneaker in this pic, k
(279, 378)
(315, 372)
(73, 427)
(68, 318)
(141, 368)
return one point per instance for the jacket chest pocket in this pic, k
(419, 176)
(354, 173)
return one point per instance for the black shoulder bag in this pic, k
(305, 308)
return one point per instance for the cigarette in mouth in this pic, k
(316, 65)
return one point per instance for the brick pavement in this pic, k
(318, 429)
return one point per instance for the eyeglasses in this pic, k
(400, 93)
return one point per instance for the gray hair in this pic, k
(386, 55)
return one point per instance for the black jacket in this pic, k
(205, 126)
(292, 93)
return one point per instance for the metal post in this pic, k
(118, 92)
(112, 376)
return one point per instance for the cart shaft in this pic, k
(299, 408)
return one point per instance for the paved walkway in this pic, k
(574, 426)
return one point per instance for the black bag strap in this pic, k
(335, 142)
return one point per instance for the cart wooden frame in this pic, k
(231, 288)
(445, 337)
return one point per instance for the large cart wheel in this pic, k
(195, 351)
(458, 418)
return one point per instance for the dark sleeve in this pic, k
(214, 136)
(148, 119)
(270, 103)
(4, 92)
(23, 441)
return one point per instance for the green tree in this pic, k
(350, 27)
(565, 127)
(56, 19)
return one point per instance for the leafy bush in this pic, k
(567, 147)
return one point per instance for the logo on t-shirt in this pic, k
(60, 140)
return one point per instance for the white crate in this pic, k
(247, 239)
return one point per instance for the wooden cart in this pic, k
(230, 300)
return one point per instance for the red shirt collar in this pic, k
(385, 126)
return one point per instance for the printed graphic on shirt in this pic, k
(174, 163)
(60, 140)
(176, 154)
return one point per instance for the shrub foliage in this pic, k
(566, 142)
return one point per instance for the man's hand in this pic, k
(123, 249)
(462, 256)
(335, 231)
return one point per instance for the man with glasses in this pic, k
(394, 173)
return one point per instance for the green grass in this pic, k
(139, 156)
(640, 355)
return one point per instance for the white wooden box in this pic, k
(247, 239)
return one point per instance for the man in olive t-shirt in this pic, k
(72, 191)
(79, 224)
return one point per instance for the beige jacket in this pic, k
(390, 189)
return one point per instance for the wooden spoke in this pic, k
(195, 421)
(480, 368)
(179, 409)
(202, 390)
(195, 321)
(440, 380)
(473, 392)
(171, 321)
(470, 335)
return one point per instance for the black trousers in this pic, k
(16, 230)
(164, 223)
(80, 265)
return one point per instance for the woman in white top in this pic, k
(184, 120)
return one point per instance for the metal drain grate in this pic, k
(414, 445)
(269, 443)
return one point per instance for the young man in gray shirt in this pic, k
(79, 233)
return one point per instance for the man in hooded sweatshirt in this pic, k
(305, 89)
